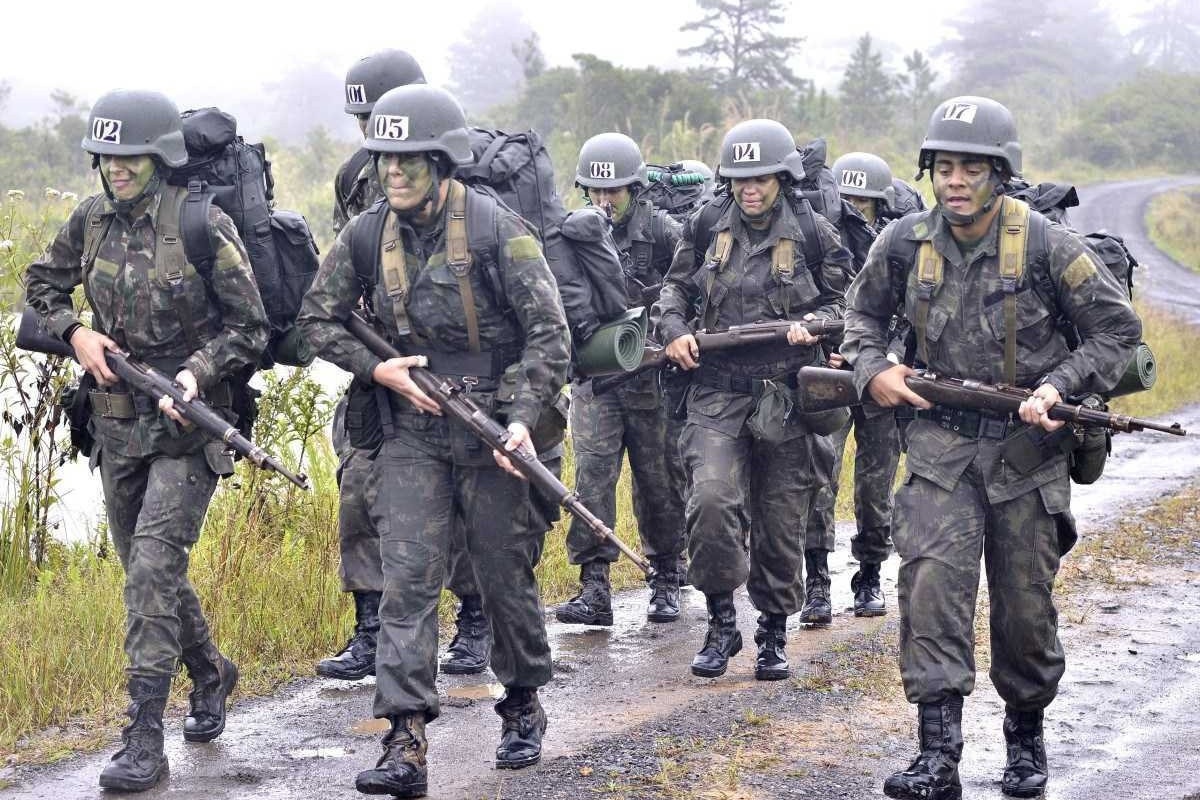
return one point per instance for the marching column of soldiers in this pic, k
(733, 484)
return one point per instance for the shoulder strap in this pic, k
(813, 252)
(708, 215)
(365, 242)
(95, 231)
(930, 266)
(193, 228)
(483, 240)
(170, 258)
(458, 258)
(1014, 233)
(393, 264)
(350, 174)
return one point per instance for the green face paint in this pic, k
(865, 206)
(615, 202)
(962, 183)
(127, 176)
(406, 179)
(756, 196)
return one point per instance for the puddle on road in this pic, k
(478, 691)
(318, 752)
(371, 726)
(1193, 657)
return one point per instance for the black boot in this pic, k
(1025, 773)
(471, 648)
(593, 604)
(524, 724)
(664, 590)
(213, 678)
(933, 774)
(357, 659)
(817, 610)
(868, 593)
(723, 640)
(401, 770)
(140, 764)
(771, 636)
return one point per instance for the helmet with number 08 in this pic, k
(370, 77)
(976, 125)
(609, 161)
(419, 119)
(864, 175)
(134, 122)
(759, 147)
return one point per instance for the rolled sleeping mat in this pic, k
(1139, 376)
(616, 346)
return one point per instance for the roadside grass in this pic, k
(1173, 220)
(1174, 344)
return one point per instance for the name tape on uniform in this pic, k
(356, 93)
(390, 127)
(961, 112)
(604, 169)
(746, 151)
(854, 179)
(106, 130)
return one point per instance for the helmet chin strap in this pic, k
(962, 220)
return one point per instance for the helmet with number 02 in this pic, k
(759, 147)
(976, 125)
(864, 175)
(134, 122)
(609, 161)
(419, 119)
(370, 77)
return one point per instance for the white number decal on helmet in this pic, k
(745, 151)
(389, 127)
(604, 169)
(106, 130)
(356, 93)
(854, 179)
(961, 112)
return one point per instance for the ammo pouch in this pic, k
(1093, 445)
(771, 414)
(1029, 447)
(673, 383)
(822, 423)
(364, 430)
(74, 400)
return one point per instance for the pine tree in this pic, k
(740, 38)
(867, 90)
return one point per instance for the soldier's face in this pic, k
(406, 179)
(362, 120)
(127, 176)
(614, 202)
(755, 196)
(962, 182)
(865, 206)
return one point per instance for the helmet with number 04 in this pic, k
(609, 161)
(864, 175)
(976, 125)
(133, 122)
(373, 75)
(759, 147)
(419, 118)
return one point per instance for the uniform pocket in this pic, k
(219, 459)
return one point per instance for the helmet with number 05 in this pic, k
(976, 125)
(134, 122)
(370, 77)
(419, 119)
(759, 147)
(609, 161)
(864, 175)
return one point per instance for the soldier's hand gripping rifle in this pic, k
(32, 336)
(459, 406)
(749, 335)
(821, 388)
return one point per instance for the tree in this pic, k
(1168, 36)
(916, 88)
(489, 65)
(867, 90)
(528, 53)
(739, 35)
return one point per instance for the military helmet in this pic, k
(977, 125)
(864, 175)
(419, 118)
(759, 147)
(609, 161)
(132, 122)
(370, 77)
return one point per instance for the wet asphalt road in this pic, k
(1124, 719)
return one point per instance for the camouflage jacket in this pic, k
(646, 242)
(137, 310)
(528, 322)
(364, 192)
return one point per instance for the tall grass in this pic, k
(1173, 220)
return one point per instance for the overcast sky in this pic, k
(211, 51)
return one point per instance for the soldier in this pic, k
(865, 181)
(751, 463)
(203, 324)
(484, 310)
(984, 281)
(630, 418)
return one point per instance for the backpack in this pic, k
(907, 200)
(675, 190)
(819, 187)
(224, 169)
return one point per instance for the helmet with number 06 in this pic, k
(976, 125)
(864, 175)
(370, 77)
(418, 119)
(609, 161)
(133, 122)
(759, 147)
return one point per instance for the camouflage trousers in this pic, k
(358, 541)
(877, 454)
(741, 487)
(629, 420)
(156, 506)
(414, 491)
(940, 536)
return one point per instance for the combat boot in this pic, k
(933, 774)
(817, 610)
(401, 771)
(771, 663)
(868, 593)
(213, 678)
(1025, 773)
(471, 648)
(140, 764)
(593, 604)
(664, 590)
(723, 640)
(524, 724)
(357, 659)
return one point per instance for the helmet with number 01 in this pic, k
(134, 122)
(419, 119)
(976, 125)
(864, 175)
(609, 161)
(370, 77)
(759, 147)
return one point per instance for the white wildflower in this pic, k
(16, 194)
(52, 194)
(6, 244)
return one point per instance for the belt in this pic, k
(119, 405)
(740, 385)
(969, 423)
(487, 364)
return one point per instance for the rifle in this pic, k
(459, 406)
(820, 388)
(749, 335)
(33, 337)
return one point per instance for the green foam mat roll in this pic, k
(616, 346)
(1140, 375)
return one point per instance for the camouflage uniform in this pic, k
(630, 418)
(432, 467)
(960, 499)
(157, 478)
(365, 190)
(738, 484)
